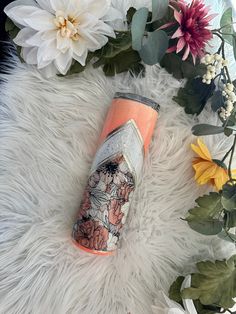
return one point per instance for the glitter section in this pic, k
(120, 142)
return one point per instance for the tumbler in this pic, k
(117, 165)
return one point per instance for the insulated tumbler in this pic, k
(124, 142)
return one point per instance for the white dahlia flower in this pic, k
(54, 32)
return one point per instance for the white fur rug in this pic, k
(48, 137)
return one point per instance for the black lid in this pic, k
(143, 100)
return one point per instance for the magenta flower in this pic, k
(192, 33)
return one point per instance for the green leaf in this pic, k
(214, 284)
(206, 226)
(174, 292)
(203, 309)
(174, 64)
(152, 26)
(201, 218)
(231, 123)
(193, 97)
(159, 9)
(138, 27)
(77, 67)
(230, 220)
(130, 14)
(154, 47)
(128, 60)
(206, 129)
(209, 206)
(11, 28)
(217, 101)
(228, 198)
(226, 22)
(122, 42)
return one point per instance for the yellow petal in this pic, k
(204, 149)
(233, 173)
(220, 178)
(204, 171)
(201, 150)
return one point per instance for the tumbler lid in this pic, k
(143, 100)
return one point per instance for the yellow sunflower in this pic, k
(206, 169)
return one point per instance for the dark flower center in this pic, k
(111, 167)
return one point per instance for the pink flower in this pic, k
(192, 33)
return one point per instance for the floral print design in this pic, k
(104, 207)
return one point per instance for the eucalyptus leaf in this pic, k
(159, 9)
(226, 22)
(154, 47)
(217, 101)
(214, 284)
(206, 129)
(138, 27)
(228, 198)
(194, 96)
(175, 290)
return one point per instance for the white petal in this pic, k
(59, 5)
(81, 58)
(75, 7)
(99, 8)
(22, 37)
(49, 35)
(41, 20)
(46, 53)
(29, 55)
(79, 46)
(19, 3)
(63, 43)
(63, 61)
(105, 29)
(112, 15)
(46, 5)
(35, 40)
(18, 13)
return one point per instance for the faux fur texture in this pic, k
(48, 137)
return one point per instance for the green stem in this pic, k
(223, 55)
(228, 34)
(229, 236)
(231, 159)
(227, 154)
(227, 25)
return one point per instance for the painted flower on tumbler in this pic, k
(56, 32)
(192, 34)
(208, 170)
